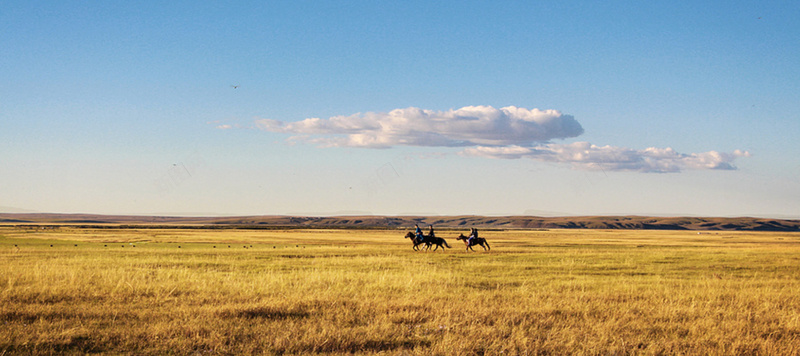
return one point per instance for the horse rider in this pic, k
(418, 232)
(473, 235)
(430, 232)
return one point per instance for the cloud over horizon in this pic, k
(506, 133)
(467, 126)
(583, 155)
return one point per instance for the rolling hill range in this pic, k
(447, 222)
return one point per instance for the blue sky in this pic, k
(371, 107)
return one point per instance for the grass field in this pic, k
(233, 292)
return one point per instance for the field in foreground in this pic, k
(183, 291)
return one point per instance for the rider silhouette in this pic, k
(473, 235)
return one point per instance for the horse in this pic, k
(414, 240)
(433, 240)
(476, 241)
(428, 240)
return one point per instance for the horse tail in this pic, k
(487, 244)
(445, 243)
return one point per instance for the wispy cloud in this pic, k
(218, 124)
(584, 155)
(506, 133)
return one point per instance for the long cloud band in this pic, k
(507, 133)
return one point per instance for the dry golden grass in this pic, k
(590, 292)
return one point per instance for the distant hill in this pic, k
(447, 222)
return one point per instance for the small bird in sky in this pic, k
(234, 86)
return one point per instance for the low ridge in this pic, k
(453, 222)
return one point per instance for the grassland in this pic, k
(592, 292)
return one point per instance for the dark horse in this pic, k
(428, 241)
(415, 241)
(476, 241)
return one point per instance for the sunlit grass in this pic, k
(175, 291)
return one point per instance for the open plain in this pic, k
(76, 290)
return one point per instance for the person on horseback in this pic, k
(430, 232)
(473, 235)
(418, 232)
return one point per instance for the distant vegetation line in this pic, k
(446, 222)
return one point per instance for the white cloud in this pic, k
(468, 126)
(583, 155)
(505, 133)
